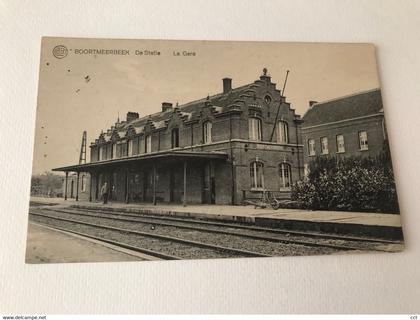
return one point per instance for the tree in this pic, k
(47, 183)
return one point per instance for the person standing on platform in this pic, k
(105, 192)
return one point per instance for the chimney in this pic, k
(227, 85)
(166, 106)
(132, 116)
(311, 103)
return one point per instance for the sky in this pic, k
(88, 91)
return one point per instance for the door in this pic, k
(208, 186)
(175, 184)
(148, 185)
(72, 189)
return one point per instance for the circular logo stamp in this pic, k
(60, 52)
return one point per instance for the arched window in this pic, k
(207, 127)
(285, 176)
(282, 132)
(83, 182)
(256, 171)
(255, 129)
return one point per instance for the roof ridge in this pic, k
(344, 97)
(217, 95)
(214, 96)
(346, 107)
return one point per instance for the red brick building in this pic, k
(218, 149)
(348, 126)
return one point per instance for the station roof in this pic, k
(219, 103)
(349, 107)
(163, 156)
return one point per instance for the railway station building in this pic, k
(221, 149)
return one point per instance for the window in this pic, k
(363, 140)
(175, 138)
(135, 146)
(311, 147)
(282, 132)
(340, 143)
(207, 127)
(130, 148)
(118, 149)
(100, 153)
(114, 150)
(94, 153)
(267, 99)
(124, 150)
(105, 152)
(255, 133)
(324, 145)
(109, 151)
(148, 144)
(257, 175)
(285, 176)
(139, 146)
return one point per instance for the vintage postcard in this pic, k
(166, 150)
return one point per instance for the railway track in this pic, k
(194, 238)
(233, 225)
(252, 232)
(118, 236)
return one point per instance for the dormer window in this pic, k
(175, 138)
(148, 144)
(124, 149)
(130, 147)
(101, 153)
(207, 131)
(114, 150)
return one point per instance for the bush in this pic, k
(46, 184)
(349, 184)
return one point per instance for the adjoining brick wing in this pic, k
(353, 125)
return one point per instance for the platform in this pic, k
(378, 225)
(48, 245)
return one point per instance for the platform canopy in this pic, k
(156, 156)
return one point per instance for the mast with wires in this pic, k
(82, 157)
(278, 109)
